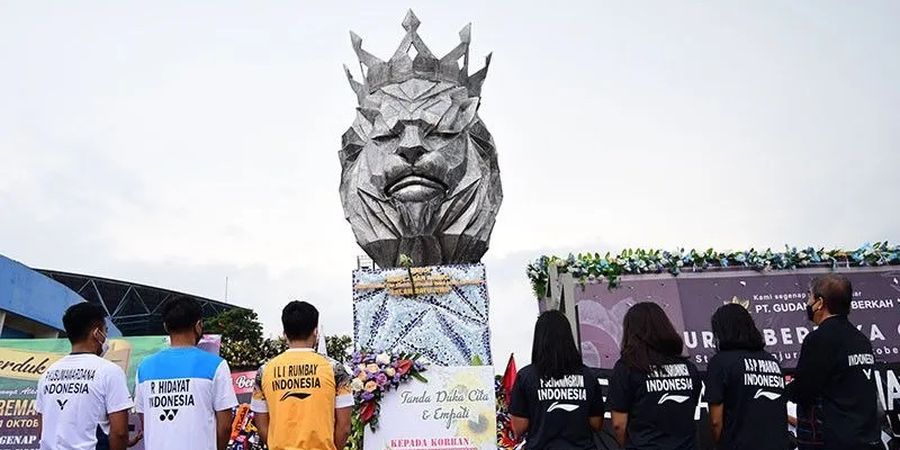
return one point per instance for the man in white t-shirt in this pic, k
(184, 394)
(82, 390)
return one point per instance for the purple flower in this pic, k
(381, 379)
(366, 396)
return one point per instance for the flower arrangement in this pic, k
(506, 440)
(589, 267)
(374, 374)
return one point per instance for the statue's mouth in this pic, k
(416, 188)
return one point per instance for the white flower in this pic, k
(383, 359)
(356, 385)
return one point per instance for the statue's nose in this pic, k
(411, 146)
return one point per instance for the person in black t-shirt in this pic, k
(836, 369)
(556, 399)
(745, 386)
(653, 391)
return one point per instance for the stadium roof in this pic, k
(136, 309)
(33, 296)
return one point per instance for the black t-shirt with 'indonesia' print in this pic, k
(750, 385)
(660, 404)
(557, 409)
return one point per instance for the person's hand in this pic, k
(137, 438)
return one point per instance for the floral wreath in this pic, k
(374, 374)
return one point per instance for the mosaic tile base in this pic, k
(447, 329)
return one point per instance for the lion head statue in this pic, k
(419, 168)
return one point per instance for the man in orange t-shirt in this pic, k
(302, 399)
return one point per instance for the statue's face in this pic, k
(416, 145)
(415, 160)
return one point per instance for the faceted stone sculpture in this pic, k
(420, 174)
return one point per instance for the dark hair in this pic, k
(80, 319)
(734, 329)
(300, 319)
(554, 352)
(835, 291)
(181, 313)
(648, 337)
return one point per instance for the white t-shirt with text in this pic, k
(178, 391)
(74, 396)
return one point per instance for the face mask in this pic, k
(104, 345)
(810, 312)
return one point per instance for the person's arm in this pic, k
(518, 405)
(138, 408)
(140, 431)
(118, 403)
(716, 418)
(812, 372)
(343, 404)
(519, 425)
(620, 426)
(262, 426)
(596, 423)
(620, 400)
(260, 407)
(223, 428)
(118, 430)
(716, 384)
(224, 401)
(342, 426)
(596, 406)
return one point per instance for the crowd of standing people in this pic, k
(302, 400)
(184, 395)
(654, 389)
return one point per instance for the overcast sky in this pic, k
(176, 143)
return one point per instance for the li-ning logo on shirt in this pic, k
(766, 394)
(168, 414)
(298, 395)
(62, 403)
(563, 406)
(673, 398)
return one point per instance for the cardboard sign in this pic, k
(454, 410)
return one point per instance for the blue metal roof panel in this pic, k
(32, 295)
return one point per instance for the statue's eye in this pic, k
(443, 134)
(383, 138)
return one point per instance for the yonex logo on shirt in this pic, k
(168, 414)
(62, 403)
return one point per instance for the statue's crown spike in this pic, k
(423, 64)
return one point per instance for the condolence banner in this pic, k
(22, 361)
(454, 410)
(776, 300)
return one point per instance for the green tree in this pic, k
(243, 344)
(339, 347)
